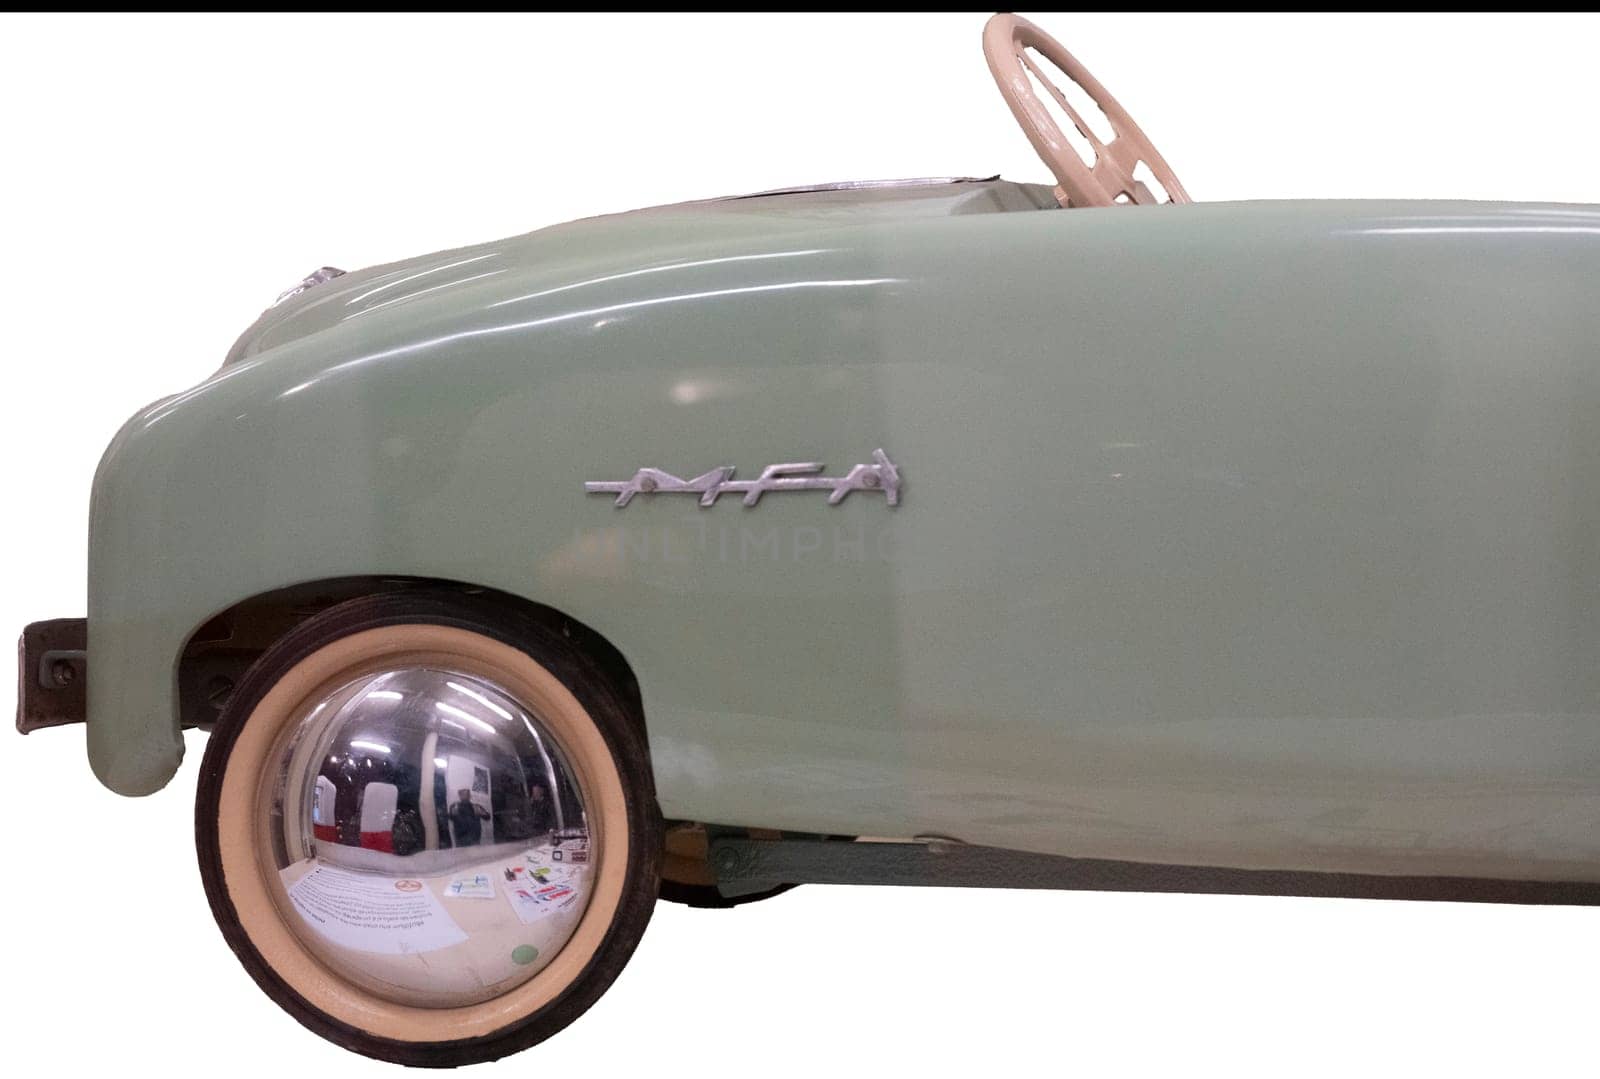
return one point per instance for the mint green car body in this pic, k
(1253, 534)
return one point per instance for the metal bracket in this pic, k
(52, 674)
(750, 864)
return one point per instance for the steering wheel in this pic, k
(1110, 180)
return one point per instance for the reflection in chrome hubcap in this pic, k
(428, 839)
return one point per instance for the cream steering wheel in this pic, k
(1006, 41)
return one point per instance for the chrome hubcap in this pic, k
(427, 839)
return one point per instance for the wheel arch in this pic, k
(217, 652)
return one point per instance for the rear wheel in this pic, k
(427, 827)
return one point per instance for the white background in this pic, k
(162, 179)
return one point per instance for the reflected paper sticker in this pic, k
(533, 900)
(470, 886)
(551, 862)
(374, 914)
(572, 850)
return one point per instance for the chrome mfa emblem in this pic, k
(880, 476)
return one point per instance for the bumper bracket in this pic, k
(52, 674)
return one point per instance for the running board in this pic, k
(746, 865)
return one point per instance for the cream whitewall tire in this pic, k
(375, 910)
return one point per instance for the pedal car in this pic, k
(949, 531)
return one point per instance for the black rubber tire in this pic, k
(706, 896)
(613, 716)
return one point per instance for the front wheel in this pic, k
(428, 829)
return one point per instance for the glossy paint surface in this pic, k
(1255, 534)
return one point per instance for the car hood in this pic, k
(618, 243)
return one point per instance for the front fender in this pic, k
(450, 439)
